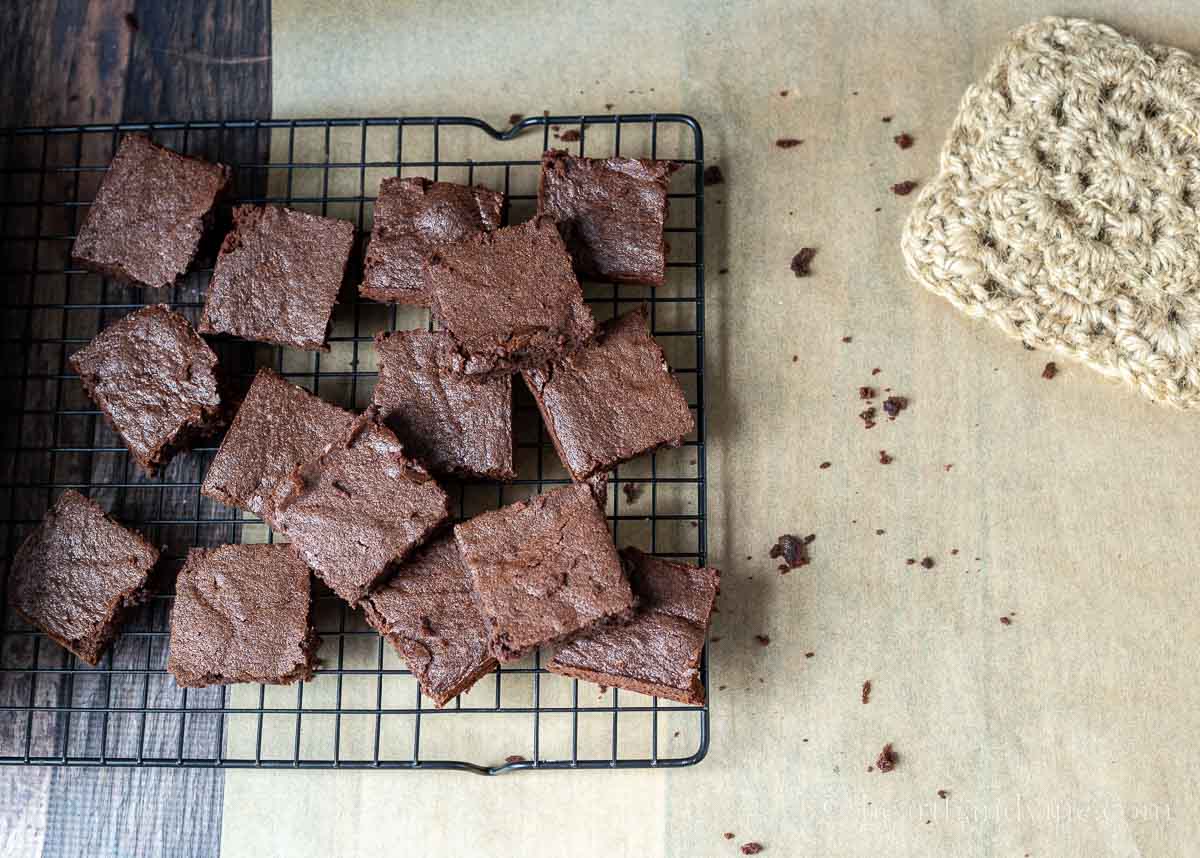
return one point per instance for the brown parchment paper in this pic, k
(1069, 505)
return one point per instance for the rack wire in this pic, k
(363, 709)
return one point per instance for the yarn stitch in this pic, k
(1065, 207)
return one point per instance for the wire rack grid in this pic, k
(363, 709)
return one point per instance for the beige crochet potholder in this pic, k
(1065, 208)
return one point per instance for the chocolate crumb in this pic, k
(763, 640)
(569, 136)
(876, 371)
(903, 189)
(729, 835)
(514, 758)
(927, 562)
(887, 759)
(947, 468)
(722, 687)
(884, 458)
(632, 491)
(795, 358)
(132, 22)
(886, 119)
(1050, 370)
(783, 92)
(868, 417)
(942, 793)
(713, 176)
(904, 141)
(609, 105)
(751, 848)
(893, 405)
(1006, 621)
(912, 561)
(788, 142)
(714, 638)
(953, 552)
(809, 654)
(793, 550)
(723, 271)
(802, 261)
(866, 393)
(676, 736)
(514, 118)
(825, 465)
(847, 339)
(866, 691)
(880, 532)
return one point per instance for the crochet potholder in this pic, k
(1065, 207)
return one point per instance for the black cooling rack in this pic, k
(363, 709)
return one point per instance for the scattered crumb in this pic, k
(1050, 370)
(632, 491)
(788, 142)
(676, 736)
(947, 468)
(886, 119)
(825, 465)
(903, 189)
(802, 260)
(713, 176)
(729, 835)
(866, 691)
(893, 405)
(514, 118)
(722, 687)
(763, 640)
(132, 22)
(809, 654)
(795, 358)
(912, 561)
(880, 532)
(749, 556)
(953, 552)
(569, 136)
(714, 639)
(878, 208)
(884, 458)
(927, 562)
(876, 371)
(609, 105)
(723, 271)
(942, 794)
(751, 848)
(904, 141)
(1006, 621)
(514, 758)
(847, 339)
(887, 759)
(783, 92)
(866, 392)
(868, 417)
(793, 550)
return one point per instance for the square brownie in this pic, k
(241, 614)
(611, 213)
(413, 218)
(77, 573)
(509, 298)
(278, 426)
(426, 611)
(156, 381)
(543, 570)
(359, 508)
(453, 424)
(612, 400)
(277, 277)
(147, 219)
(658, 651)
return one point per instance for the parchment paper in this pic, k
(1070, 502)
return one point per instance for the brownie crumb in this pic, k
(847, 339)
(1006, 621)
(802, 261)
(880, 532)
(942, 794)
(927, 562)
(809, 654)
(569, 136)
(903, 189)
(1050, 370)
(514, 758)
(893, 405)
(866, 691)
(713, 176)
(876, 371)
(868, 417)
(953, 552)
(632, 491)
(609, 105)
(795, 358)
(887, 759)
(751, 848)
(729, 835)
(947, 468)
(886, 119)
(884, 458)
(825, 465)
(514, 118)
(904, 141)
(763, 640)
(912, 561)
(783, 93)
(793, 550)
(788, 142)
(866, 393)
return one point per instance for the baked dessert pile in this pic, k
(358, 497)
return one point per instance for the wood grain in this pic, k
(71, 61)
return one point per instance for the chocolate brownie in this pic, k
(413, 218)
(76, 574)
(278, 426)
(452, 423)
(156, 381)
(358, 508)
(147, 219)
(277, 277)
(658, 652)
(611, 212)
(427, 613)
(509, 298)
(543, 570)
(242, 615)
(612, 400)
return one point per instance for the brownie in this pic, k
(277, 277)
(413, 218)
(147, 219)
(77, 573)
(156, 381)
(452, 423)
(658, 652)
(543, 570)
(242, 615)
(509, 298)
(611, 212)
(358, 508)
(612, 400)
(278, 426)
(427, 613)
